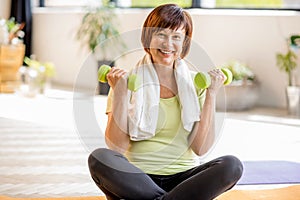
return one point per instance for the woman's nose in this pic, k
(168, 42)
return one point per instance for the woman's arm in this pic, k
(116, 138)
(116, 134)
(203, 134)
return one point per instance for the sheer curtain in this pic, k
(21, 11)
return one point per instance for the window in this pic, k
(154, 3)
(119, 3)
(241, 4)
(233, 4)
(252, 4)
(66, 3)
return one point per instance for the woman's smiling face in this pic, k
(166, 46)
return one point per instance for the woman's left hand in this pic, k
(217, 80)
(204, 130)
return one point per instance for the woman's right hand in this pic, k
(217, 80)
(117, 76)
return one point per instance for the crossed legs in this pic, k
(119, 179)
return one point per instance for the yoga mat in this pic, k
(270, 172)
(286, 193)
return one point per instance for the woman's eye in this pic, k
(177, 37)
(161, 35)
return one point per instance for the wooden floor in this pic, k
(41, 161)
(42, 154)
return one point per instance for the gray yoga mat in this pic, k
(270, 172)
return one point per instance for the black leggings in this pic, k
(119, 179)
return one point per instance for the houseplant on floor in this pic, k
(242, 93)
(287, 62)
(99, 31)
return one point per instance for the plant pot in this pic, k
(238, 96)
(104, 87)
(291, 4)
(293, 100)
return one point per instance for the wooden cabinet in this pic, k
(11, 59)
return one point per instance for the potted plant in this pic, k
(98, 30)
(11, 32)
(242, 93)
(287, 62)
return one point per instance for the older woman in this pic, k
(155, 134)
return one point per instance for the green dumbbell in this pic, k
(202, 79)
(132, 81)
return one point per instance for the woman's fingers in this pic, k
(115, 75)
(217, 79)
(217, 74)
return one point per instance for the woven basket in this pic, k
(11, 59)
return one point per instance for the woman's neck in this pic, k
(166, 76)
(164, 72)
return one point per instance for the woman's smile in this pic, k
(166, 46)
(166, 51)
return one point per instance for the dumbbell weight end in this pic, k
(133, 81)
(102, 72)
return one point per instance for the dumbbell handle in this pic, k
(132, 83)
(202, 80)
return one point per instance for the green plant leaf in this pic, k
(287, 63)
(240, 71)
(97, 26)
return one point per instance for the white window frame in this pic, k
(68, 3)
(287, 4)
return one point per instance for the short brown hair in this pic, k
(168, 16)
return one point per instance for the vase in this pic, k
(32, 82)
(27, 77)
(293, 100)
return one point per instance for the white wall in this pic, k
(5, 9)
(54, 39)
(252, 38)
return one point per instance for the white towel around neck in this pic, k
(143, 105)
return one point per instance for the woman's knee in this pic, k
(233, 168)
(98, 158)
